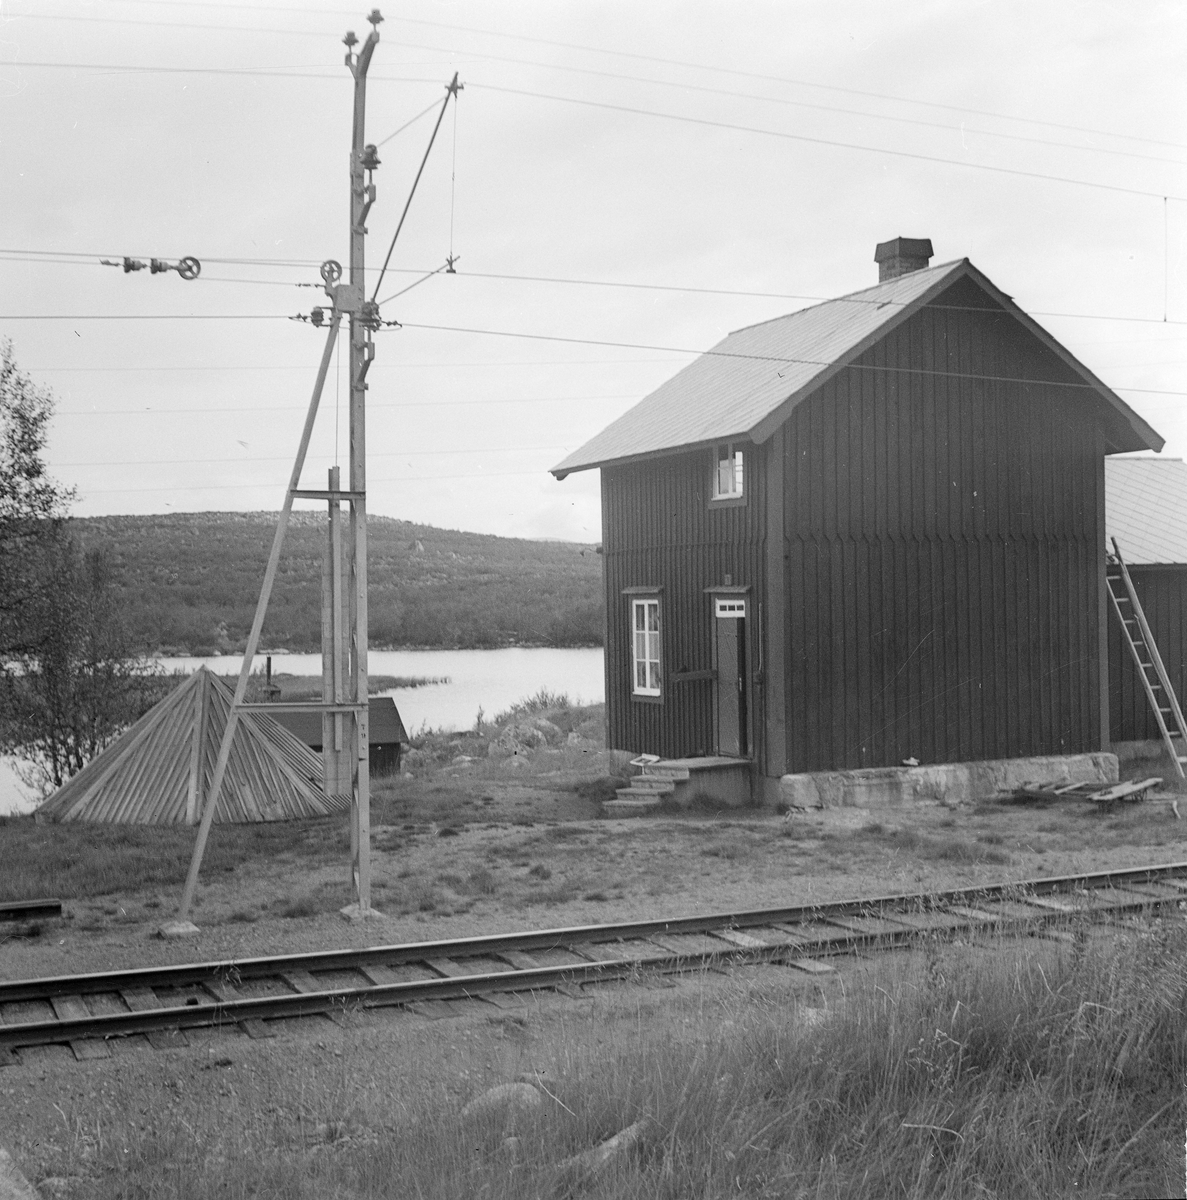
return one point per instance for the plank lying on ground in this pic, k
(15, 910)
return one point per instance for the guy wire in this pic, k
(453, 181)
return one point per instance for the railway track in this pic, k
(85, 1012)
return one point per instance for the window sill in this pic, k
(727, 501)
(638, 698)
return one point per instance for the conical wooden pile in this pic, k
(159, 771)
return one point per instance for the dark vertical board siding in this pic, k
(658, 530)
(1163, 595)
(943, 546)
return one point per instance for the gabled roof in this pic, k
(384, 725)
(1146, 509)
(159, 771)
(745, 387)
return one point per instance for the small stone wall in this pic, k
(947, 783)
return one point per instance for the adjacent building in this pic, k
(1146, 511)
(868, 531)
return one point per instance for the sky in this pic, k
(622, 184)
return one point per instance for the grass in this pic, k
(309, 687)
(993, 1070)
(944, 849)
(76, 860)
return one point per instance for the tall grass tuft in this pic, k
(543, 701)
(991, 1070)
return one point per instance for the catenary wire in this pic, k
(136, 69)
(545, 337)
(774, 358)
(691, 120)
(599, 283)
(817, 141)
(371, 405)
(235, 487)
(675, 62)
(620, 54)
(187, 462)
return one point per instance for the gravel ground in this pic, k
(538, 860)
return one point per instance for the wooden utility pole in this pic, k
(349, 648)
(364, 320)
(337, 732)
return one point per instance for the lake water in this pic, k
(492, 680)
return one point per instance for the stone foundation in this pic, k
(941, 783)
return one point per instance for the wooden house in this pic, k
(386, 734)
(1146, 511)
(865, 532)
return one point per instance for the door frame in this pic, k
(733, 595)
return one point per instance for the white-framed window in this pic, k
(728, 471)
(729, 607)
(646, 670)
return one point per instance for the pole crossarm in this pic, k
(313, 706)
(327, 494)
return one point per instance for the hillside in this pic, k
(190, 582)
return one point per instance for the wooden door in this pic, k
(731, 679)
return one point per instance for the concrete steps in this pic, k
(667, 781)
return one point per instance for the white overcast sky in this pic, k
(167, 129)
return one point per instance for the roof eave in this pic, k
(1145, 436)
(643, 456)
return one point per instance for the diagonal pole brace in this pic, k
(253, 640)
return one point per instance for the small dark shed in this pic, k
(1146, 511)
(387, 734)
(869, 530)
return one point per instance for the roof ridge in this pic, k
(795, 312)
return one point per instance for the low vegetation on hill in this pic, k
(189, 583)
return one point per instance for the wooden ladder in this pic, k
(1159, 691)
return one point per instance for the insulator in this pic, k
(370, 159)
(318, 316)
(350, 40)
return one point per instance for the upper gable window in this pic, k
(728, 472)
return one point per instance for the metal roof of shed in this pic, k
(159, 771)
(1146, 509)
(746, 386)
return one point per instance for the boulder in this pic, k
(612, 1150)
(552, 733)
(13, 1185)
(517, 738)
(509, 1101)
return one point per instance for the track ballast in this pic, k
(85, 1011)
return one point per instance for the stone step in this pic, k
(637, 793)
(654, 783)
(632, 804)
(662, 772)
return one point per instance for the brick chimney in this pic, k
(901, 256)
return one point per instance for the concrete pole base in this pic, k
(178, 929)
(352, 912)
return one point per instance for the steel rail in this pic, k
(792, 934)
(183, 974)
